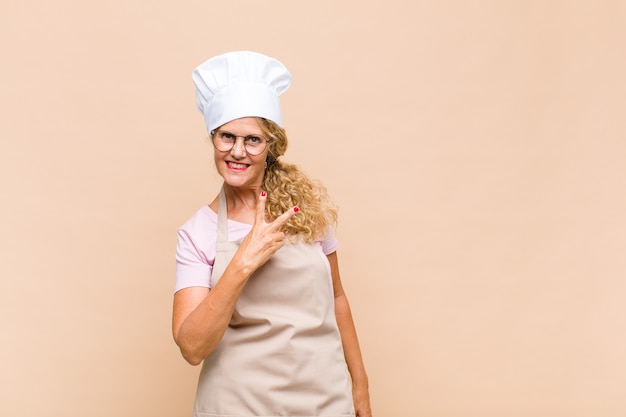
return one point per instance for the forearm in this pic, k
(349, 339)
(200, 329)
(354, 359)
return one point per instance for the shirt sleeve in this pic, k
(329, 242)
(193, 268)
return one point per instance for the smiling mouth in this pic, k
(236, 166)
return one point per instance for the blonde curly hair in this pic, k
(288, 186)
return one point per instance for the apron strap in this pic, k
(222, 218)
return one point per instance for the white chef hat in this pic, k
(240, 84)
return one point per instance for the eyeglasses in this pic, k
(224, 141)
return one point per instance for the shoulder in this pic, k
(201, 220)
(195, 249)
(198, 233)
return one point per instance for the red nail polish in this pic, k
(263, 193)
(296, 209)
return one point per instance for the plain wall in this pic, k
(476, 150)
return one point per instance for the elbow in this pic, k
(194, 349)
(192, 359)
(192, 354)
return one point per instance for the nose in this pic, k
(239, 148)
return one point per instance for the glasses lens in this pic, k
(254, 144)
(223, 141)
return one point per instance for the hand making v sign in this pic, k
(264, 239)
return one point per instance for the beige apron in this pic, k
(281, 354)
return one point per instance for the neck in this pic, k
(241, 201)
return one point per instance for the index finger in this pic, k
(283, 218)
(260, 208)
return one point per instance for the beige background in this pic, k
(476, 149)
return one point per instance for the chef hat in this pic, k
(240, 84)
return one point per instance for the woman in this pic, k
(258, 294)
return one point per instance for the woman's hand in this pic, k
(263, 240)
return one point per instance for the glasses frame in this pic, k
(266, 141)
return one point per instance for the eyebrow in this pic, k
(241, 136)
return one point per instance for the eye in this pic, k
(227, 137)
(253, 140)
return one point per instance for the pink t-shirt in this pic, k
(197, 241)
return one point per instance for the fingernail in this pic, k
(263, 193)
(296, 209)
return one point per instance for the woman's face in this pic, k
(239, 168)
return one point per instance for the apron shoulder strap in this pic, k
(222, 218)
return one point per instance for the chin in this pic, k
(236, 182)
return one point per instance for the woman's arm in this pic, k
(352, 351)
(201, 316)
